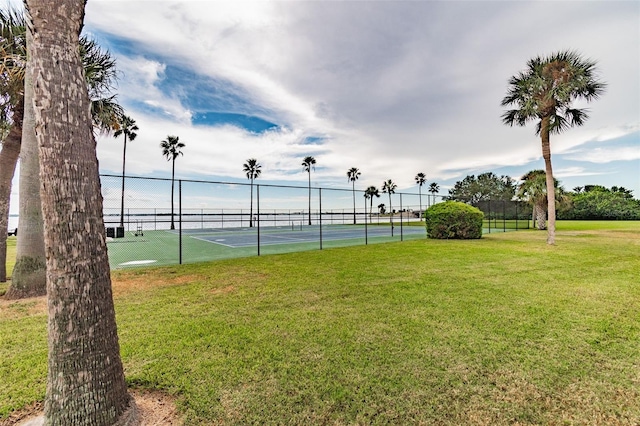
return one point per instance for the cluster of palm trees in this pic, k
(544, 93)
(253, 169)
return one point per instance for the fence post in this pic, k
(366, 230)
(320, 218)
(258, 207)
(401, 230)
(180, 221)
(489, 208)
(504, 218)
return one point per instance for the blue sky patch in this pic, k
(249, 123)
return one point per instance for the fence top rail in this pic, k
(256, 184)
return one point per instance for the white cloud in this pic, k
(396, 87)
(574, 172)
(606, 155)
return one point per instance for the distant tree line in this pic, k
(591, 202)
(595, 202)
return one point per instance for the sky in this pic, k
(393, 88)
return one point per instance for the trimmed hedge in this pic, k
(453, 220)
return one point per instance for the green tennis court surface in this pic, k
(199, 245)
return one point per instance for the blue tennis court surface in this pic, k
(247, 237)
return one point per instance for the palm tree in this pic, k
(533, 189)
(388, 187)
(420, 180)
(252, 169)
(307, 164)
(381, 208)
(171, 148)
(13, 50)
(28, 277)
(434, 188)
(544, 93)
(353, 174)
(85, 384)
(369, 193)
(127, 127)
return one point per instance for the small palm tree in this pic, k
(381, 208)
(353, 174)
(421, 178)
(434, 188)
(127, 127)
(533, 190)
(544, 93)
(389, 187)
(171, 148)
(369, 193)
(252, 169)
(309, 163)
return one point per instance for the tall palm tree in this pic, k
(85, 384)
(533, 190)
(369, 193)
(421, 178)
(127, 127)
(13, 51)
(389, 187)
(28, 277)
(352, 175)
(252, 169)
(434, 188)
(307, 164)
(544, 93)
(171, 148)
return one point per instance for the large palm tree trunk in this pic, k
(551, 193)
(85, 383)
(29, 274)
(8, 160)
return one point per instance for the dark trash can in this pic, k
(111, 232)
(120, 232)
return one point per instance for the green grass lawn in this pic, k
(501, 330)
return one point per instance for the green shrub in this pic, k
(453, 219)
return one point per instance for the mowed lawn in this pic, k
(502, 330)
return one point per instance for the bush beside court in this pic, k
(453, 219)
(505, 330)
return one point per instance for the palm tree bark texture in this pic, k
(28, 278)
(85, 383)
(8, 159)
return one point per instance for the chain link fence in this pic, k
(503, 215)
(157, 221)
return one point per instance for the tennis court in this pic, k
(296, 234)
(166, 247)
